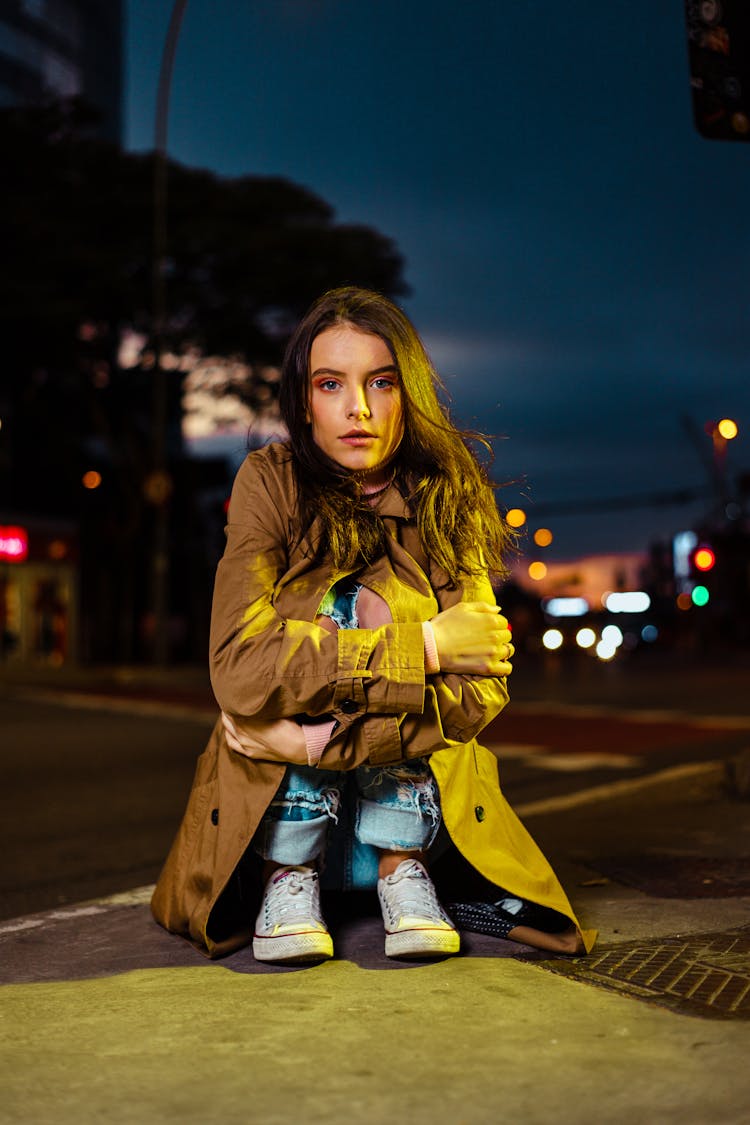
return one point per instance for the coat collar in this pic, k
(392, 504)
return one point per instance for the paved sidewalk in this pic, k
(109, 1019)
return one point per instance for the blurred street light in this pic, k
(542, 537)
(565, 606)
(714, 460)
(515, 517)
(728, 428)
(552, 639)
(627, 601)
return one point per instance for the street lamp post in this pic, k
(158, 484)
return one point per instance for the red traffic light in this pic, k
(704, 558)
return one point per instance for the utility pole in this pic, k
(158, 485)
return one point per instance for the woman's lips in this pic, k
(357, 439)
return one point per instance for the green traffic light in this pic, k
(700, 595)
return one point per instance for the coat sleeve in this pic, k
(456, 708)
(271, 667)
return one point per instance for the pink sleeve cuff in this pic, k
(431, 658)
(316, 737)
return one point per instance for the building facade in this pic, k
(64, 49)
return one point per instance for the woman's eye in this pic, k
(383, 382)
(327, 385)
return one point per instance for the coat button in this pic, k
(214, 816)
(479, 813)
(349, 706)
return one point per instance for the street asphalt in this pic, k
(106, 1018)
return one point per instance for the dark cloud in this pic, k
(580, 258)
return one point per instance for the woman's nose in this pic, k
(358, 407)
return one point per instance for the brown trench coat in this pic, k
(270, 664)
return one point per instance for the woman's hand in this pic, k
(281, 740)
(473, 638)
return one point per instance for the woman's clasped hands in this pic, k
(473, 638)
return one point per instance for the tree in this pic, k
(245, 257)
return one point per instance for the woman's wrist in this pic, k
(431, 655)
(316, 736)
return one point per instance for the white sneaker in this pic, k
(290, 926)
(415, 923)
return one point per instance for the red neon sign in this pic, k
(14, 544)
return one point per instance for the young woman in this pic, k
(356, 652)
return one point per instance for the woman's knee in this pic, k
(294, 828)
(398, 807)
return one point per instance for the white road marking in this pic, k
(135, 897)
(564, 761)
(613, 789)
(545, 758)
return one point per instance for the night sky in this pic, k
(579, 256)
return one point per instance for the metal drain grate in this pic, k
(703, 975)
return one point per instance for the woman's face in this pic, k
(355, 400)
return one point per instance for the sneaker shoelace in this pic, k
(411, 893)
(292, 896)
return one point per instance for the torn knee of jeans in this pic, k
(423, 795)
(402, 772)
(325, 803)
(332, 802)
(414, 791)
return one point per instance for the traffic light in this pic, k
(700, 596)
(704, 559)
(719, 58)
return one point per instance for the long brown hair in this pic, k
(437, 471)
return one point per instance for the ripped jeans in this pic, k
(379, 808)
(349, 816)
